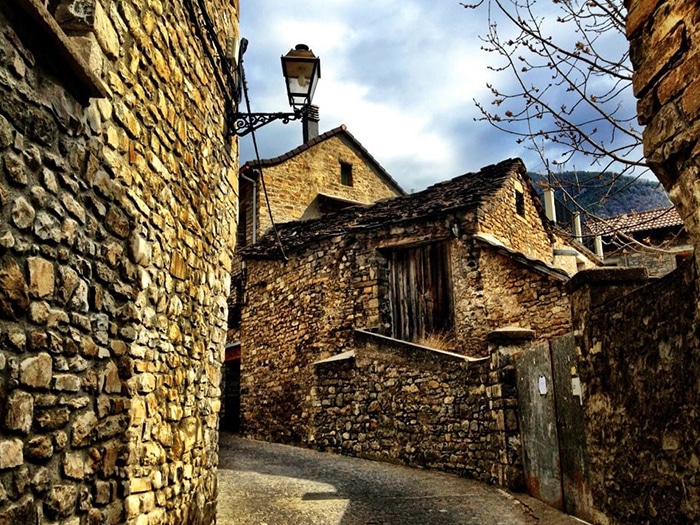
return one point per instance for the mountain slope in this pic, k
(605, 194)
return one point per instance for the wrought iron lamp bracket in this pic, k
(244, 123)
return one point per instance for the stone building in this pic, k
(454, 262)
(653, 239)
(328, 172)
(118, 195)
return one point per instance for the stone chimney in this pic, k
(549, 208)
(310, 123)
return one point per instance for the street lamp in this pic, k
(301, 70)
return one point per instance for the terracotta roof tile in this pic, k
(636, 222)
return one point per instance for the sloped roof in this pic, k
(340, 130)
(636, 222)
(532, 263)
(461, 193)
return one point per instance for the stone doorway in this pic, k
(230, 417)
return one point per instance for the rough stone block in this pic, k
(36, 371)
(19, 411)
(41, 277)
(38, 448)
(61, 500)
(11, 454)
(14, 292)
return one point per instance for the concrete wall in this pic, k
(117, 222)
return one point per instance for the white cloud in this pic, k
(401, 75)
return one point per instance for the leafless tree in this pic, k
(570, 96)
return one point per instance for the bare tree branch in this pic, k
(570, 81)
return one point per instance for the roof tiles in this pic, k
(461, 193)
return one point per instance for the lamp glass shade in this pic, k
(301, 70)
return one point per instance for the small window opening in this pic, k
(346, 174)
(519, 203)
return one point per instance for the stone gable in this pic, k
(295, 181)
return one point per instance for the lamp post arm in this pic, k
(243, 123)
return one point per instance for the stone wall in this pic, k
(117, 221)
(664, 40)
(400, 402)
(492, 291)
(296, 313)
(303, 310)
(521, 232)
(639, 364)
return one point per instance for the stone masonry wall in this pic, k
(117, 223)
(639, 364)
(664, 40)
(294, 184)
(493, 291)
(305, 309)
(399, 402)
(522, 233)
(298, 312)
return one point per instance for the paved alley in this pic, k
(262, 483)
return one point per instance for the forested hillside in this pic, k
(604, 194)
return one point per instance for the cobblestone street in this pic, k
(263, 483)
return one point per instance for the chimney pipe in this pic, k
(549, 210)
(578, 230)
(310, 123)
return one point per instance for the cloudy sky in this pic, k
(402, 75)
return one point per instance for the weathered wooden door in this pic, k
(568, 394)
(421, 301)
(552, 427)
(538, 426)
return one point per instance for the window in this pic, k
(35, 24)
(519, 199)
(346, 174)
(420, 287)
(519, 203)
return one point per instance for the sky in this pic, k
(401, 75)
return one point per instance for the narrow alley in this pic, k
(262, 483)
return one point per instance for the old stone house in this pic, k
(456, 261)
(118, 190)
(327, 173)
(653, 239)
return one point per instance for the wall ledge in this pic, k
(412, 349)
(607, 276)
(57, 46)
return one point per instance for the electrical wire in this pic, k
(230, 88)
(246, 97)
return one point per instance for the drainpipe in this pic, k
(255, 207)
